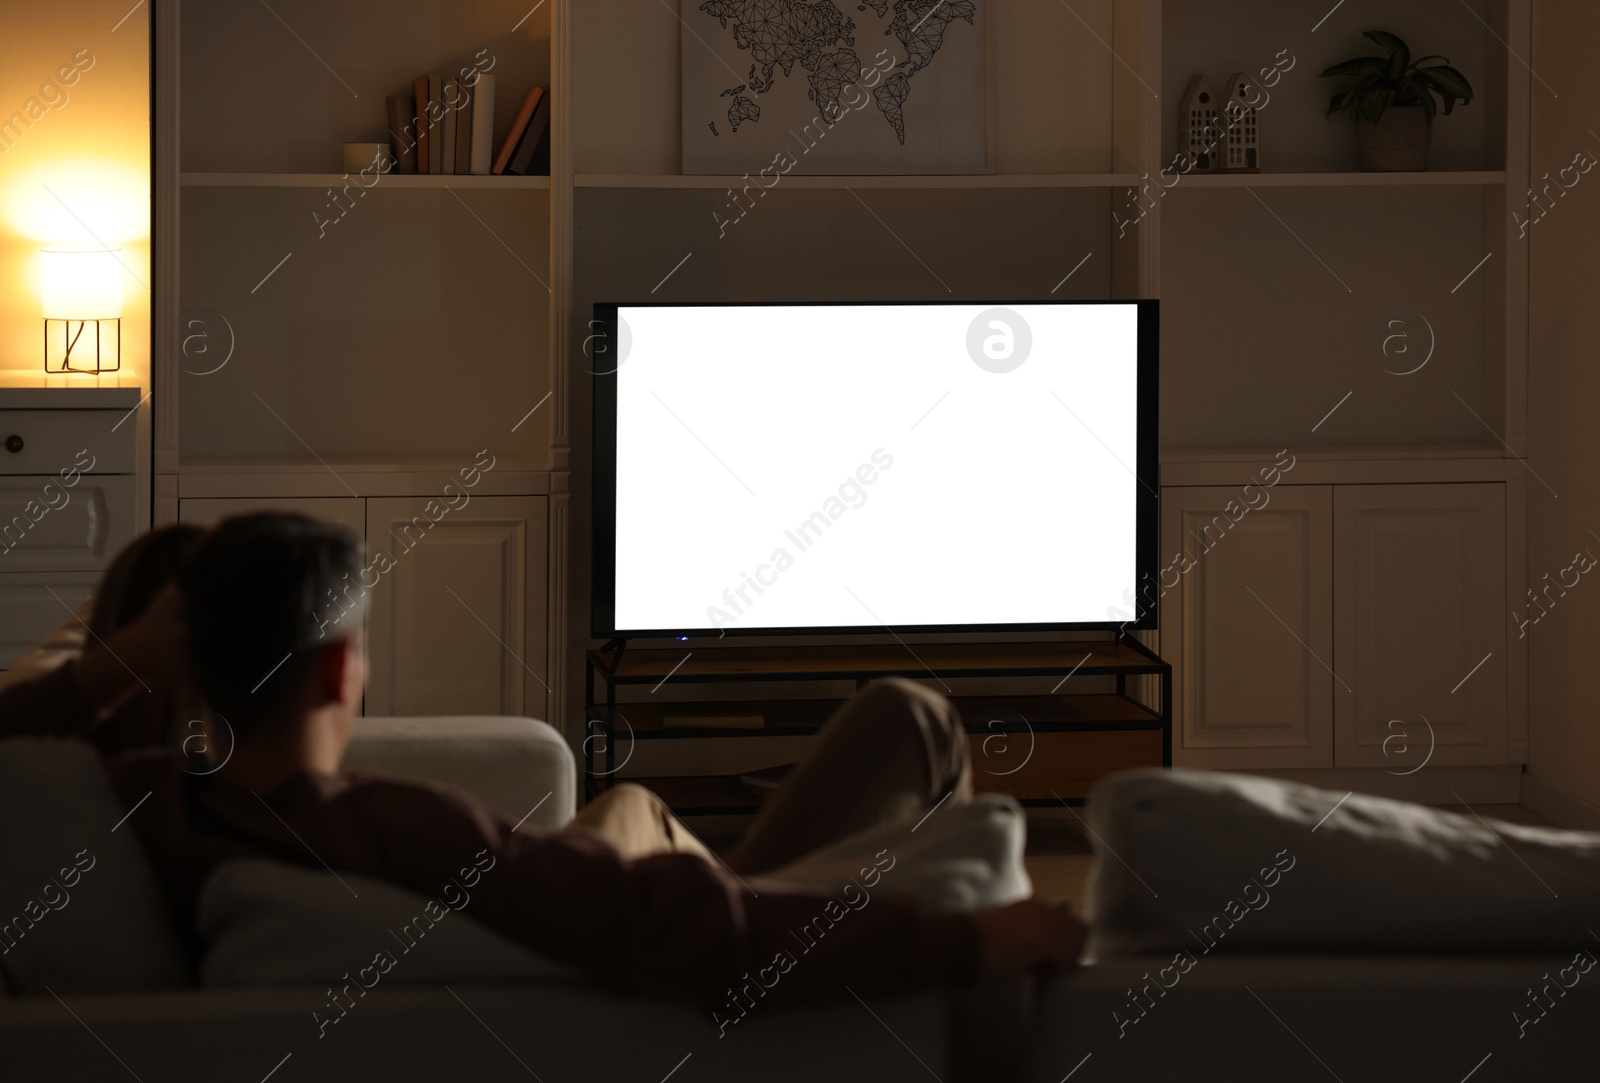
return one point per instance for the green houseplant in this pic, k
(1393, 102)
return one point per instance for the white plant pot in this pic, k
(1398, 143)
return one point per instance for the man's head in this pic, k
(258, 591)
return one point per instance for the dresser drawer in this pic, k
(47, 526)
(29, 610)
(57, 440)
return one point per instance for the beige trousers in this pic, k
(894, 751)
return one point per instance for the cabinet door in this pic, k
(1248, 627)
(1420, 624)
(458, 618)
(48, 527)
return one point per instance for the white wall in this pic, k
(80, 171)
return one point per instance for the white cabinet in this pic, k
(457, 622)
(47, 526)
(1248, 626)
(1420, 623)
(457, 613)
(68, 495)
(1307, 632)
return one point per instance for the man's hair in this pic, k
(259, 593)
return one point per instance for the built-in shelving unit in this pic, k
(360, 347)
(1277, 287)
(433, 317)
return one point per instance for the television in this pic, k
(789, 469)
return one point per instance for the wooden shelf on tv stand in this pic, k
(1045, 750)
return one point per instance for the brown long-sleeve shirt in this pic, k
(674, 925)
(54, 705)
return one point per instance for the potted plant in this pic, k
(1393, 102)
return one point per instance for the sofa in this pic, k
(1269, 1009)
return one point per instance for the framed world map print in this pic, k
(834, 87)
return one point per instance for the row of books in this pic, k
(446, 126)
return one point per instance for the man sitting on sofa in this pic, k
(625, 892)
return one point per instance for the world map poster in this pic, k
(831, 87)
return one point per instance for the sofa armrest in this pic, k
(511, 764)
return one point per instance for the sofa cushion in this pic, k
(271, 923)
(1201, 862)
(961, 857)
(80, 910)
(511, 764)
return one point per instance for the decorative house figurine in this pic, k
(1200, 139)
(1240, 149)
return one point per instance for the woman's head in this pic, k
(138, 573)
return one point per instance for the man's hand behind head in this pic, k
(150, 653)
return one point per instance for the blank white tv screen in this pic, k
(776, 468)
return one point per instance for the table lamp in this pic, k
(81, 295)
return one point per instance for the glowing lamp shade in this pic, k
(80, 283)
(81, 296)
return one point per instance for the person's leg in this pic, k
(638, 823)
(896, 750)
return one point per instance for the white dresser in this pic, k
(68, 500)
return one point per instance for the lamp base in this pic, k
(90, 347)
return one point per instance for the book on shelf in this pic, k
(403, 132)
(518, 127)
(526, 161)
(712, 721)
(449, 102)
(419, 99)
(436, 124)
(465, 103)
(482, 155)
(445, 126)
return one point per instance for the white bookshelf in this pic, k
(1260, 339)
(383, 330)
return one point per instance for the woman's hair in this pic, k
(137, 574)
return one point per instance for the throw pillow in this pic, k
(271, 923)
(1200, 862)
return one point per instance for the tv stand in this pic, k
(1045, 749)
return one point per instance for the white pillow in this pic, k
(80, 910)
(1199, 862)
(963, 857)
(271, 923)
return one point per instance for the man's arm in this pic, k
(71, 699)
(61, 645)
